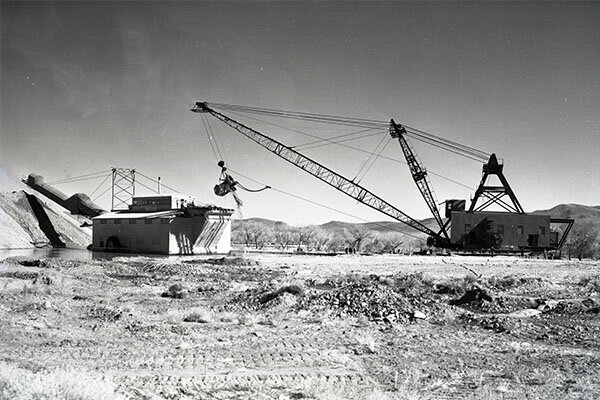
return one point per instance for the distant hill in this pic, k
(582, 215)
(269, 224)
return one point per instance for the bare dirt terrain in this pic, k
(294, 327)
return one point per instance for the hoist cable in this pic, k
(374, 160)
(294, 130)
(331, 140)
(214, 139)
(304, 116)
(209, 139)
(418, 134)
(326, 206)
(367, 152)
(431, 136)
(374, 155)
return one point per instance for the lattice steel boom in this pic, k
(419, 174)
(323, 173)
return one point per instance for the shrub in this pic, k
(60, 384)
(175, 291)
(199, 315)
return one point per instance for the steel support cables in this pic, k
(337, 210)
(320, 139)
(208, 135)
(347, 137)
(332, 119)
(98, 187)
(102, 194)
(155, 181)
(372, 158)
(448, 145)
(355, 148)
(442, 143)
(93, 175)
(321, 172)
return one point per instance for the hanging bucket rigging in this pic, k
(228, 185)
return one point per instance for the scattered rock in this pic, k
(292, 289)
(46, 280)
(419, 315)
(105, 314)
(471, 296)
(28, 261)
(526, 313)
(25, 275)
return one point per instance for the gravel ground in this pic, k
(291, 327)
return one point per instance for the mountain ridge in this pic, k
(582, 214)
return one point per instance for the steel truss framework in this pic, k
(123, 188)
(419, 174)
(494, 194)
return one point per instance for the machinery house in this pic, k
(164, 224)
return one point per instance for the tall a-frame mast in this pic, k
(495, 194)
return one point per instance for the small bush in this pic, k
(199, 315)
(105, 314)
(60, 384)
(176, 291)
(250, 319)
(591, 283)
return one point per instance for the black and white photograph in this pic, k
(395, 200)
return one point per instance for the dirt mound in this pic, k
(399, 298)
(23, 227)
(571, 307)
(20, 228)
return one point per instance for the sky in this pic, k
(86, 86)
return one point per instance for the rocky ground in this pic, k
(294, 327)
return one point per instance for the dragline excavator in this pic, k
(475, 228)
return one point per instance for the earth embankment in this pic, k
(28, 220)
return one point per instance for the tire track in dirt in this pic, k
(265, 364)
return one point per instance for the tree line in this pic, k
(583, 241)
(357, 239)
